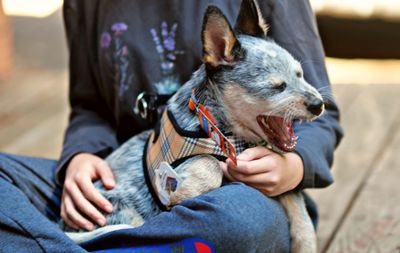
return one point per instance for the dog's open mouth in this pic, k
(279, 132)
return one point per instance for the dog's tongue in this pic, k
(280, 132)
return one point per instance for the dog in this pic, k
(247, 86)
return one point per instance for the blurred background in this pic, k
(33, 77)
(359, 213)
(361, 39)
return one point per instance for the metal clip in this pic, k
(141, 106)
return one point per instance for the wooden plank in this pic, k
(346, 94)
(21, 110)
(43, 140)
(373, 224)
(22, 92)
(363, 71)
(367, 124)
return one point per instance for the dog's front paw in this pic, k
(304, 243)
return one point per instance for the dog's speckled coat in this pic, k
(243, 76)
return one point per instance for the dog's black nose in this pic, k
(315, 106)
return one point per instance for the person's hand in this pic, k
(269, 172)
(80, 198)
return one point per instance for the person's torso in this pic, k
(144, 46)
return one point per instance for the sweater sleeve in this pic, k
(292, 25)
(90, 124)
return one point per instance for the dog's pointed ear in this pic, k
(250, 20)
(220, 45)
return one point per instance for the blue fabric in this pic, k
(233, 218)
(29, 207)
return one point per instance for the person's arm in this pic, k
(89, 129)
(292, 25)
(90, 135)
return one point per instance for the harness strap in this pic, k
(174, 145)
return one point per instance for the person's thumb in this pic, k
(254, 153)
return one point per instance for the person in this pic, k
(119, 49)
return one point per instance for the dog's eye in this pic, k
(298, 74)
(281, 86)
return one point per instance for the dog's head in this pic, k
(260, 86)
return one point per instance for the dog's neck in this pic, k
(207, 93)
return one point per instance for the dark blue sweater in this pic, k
(121, 48)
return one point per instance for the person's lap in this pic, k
(235, 218)
(29, 206)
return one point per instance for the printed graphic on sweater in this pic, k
(166, 48)
(120, 56)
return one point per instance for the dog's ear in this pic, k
(250, 20)
(220, 45)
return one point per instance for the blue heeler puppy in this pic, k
(254, 89)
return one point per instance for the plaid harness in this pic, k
(172, 144)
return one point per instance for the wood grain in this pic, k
(33, 113)
(373, 224)
(346, 94)
(368, 122)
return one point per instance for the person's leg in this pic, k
(29, 207)
(233, 218)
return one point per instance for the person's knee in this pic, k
(244, 220)
(4, 160)
(3, 157)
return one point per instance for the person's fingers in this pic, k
(255, 179)
(64, 216)
(265, 182)
(93, 195)
(105, 174)
(254, 153)
(84, 206)
(74, 217)
(257, 166)
(224, 168)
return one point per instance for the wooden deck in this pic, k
(360, 212)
